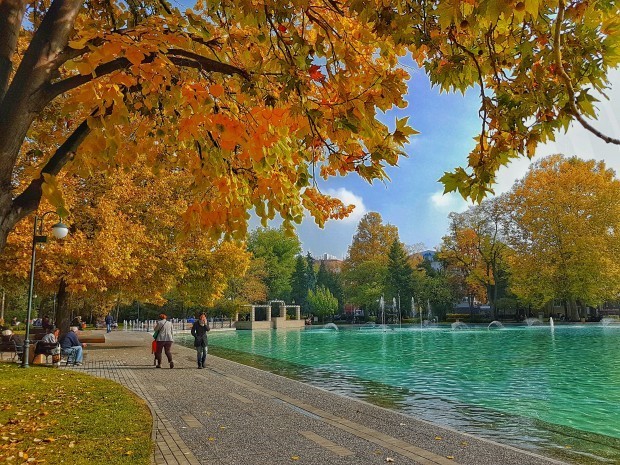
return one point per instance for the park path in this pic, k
(231, 414)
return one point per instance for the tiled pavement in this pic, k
(230, 414)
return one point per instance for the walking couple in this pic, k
(164, 338)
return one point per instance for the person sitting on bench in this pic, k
(71, 346)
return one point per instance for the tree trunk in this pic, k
(573, 312)
(63, 317)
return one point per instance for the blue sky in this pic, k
(413, 200)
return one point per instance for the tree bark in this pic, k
(573, 313)
(63, 316)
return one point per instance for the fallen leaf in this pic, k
(389, 459)
(295, 457)
(437, 438)
(451, 457)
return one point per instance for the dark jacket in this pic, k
(200, 334)
(69, 340)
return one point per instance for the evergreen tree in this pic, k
(299, 284)
(322, 276)
(398, 279)
(322, 302)
(331, 281)
(310, 275)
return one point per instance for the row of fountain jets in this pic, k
(459, 325)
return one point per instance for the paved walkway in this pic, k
(231, 414)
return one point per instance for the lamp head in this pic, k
(60, 230)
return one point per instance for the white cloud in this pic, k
(349, 198)
(446, 203)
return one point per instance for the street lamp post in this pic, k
(60, 231)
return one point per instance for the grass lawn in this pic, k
(55, 416)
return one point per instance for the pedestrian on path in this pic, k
(109, 319)
(200, 328)
(164, 337)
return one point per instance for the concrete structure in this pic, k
(272, 322)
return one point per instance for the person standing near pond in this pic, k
(164, 340)
(200, 328)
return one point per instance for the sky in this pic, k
(413, 200)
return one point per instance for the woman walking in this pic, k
(199, 331)
(164, 339)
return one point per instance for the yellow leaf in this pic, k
(295, 457)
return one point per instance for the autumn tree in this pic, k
(250, 287)
(565, 218)
(365, 267)
(487, 263)
(251, 97)
(278, 250)
(127, 244)
(462, 260)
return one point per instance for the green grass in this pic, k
(55, 416)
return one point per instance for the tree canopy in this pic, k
(565, 218)
(257, 99)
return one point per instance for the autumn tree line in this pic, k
(552, 238)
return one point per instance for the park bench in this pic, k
(11, 345)
(47, 349)
(87, 338)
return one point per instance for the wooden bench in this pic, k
(92, 338)
(12, 345)
(46, 349)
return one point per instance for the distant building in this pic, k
(331, 263)
(430, 255)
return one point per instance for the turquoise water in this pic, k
(555, 392)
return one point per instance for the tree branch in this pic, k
(11, 16)
(29, 199)
(557, 51)
(177, 56)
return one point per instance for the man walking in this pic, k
(108, 322)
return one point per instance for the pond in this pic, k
(554, 391)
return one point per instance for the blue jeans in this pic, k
(201, 355)
(108, 327)
(74, 353)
